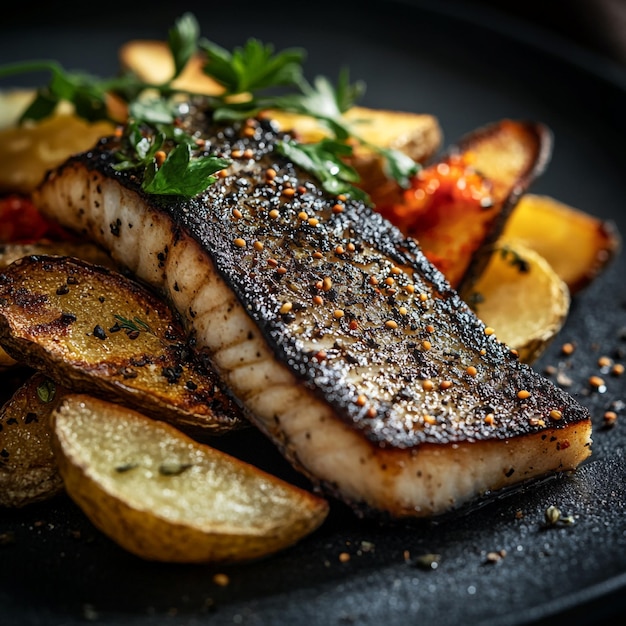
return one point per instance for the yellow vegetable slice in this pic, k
(577, 245)
(522, 298)
(12, 103)
(165, 497)
(416, 134)
(152, 61)
(29, 150)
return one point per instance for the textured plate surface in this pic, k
(469, 68)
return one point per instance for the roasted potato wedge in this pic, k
(83, 250)
(577, 245)
(94, 330)
(522, 298)
(165, 497)
(152, 61)
(28, 469)
(27, 151)
(416, 134)
(458, 206)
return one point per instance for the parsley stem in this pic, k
(30, 66)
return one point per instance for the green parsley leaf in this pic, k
(252, 68)
(325, 161)
(87, 93)
(152, 111)
(139, 149)
(183, 41)
(398, 165)
(324, 102)
(180, 175)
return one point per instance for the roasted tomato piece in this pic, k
(457, 207)
(448, 209)
(20, 221)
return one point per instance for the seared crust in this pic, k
(343, 342)
(390, 340)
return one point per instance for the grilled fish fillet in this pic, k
(341, 341)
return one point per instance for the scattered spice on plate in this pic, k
(7, 538)
(221, 579)
(554, 517)
(424, 561)
(495, 556)
(610, 418)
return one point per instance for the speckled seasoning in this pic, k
(345, 345)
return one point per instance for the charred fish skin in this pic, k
(343, 342)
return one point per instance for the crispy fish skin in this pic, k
(345, 345)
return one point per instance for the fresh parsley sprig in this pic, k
(180, 174)
(325, 159)
(327, 104)
(247, 74)
(87, 93)
(253, 67)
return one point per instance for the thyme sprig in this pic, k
(136, 325)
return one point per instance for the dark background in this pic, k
(59, 571)
(595, 25)
(598, 25)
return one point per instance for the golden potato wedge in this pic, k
(165, 497)
(522, 298)
(83, 250)
(28, 469)
(458, 206)
(577, 245)
(27, 151)
(418, 135)
(94, 330)
(152, 61)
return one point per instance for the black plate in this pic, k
(468, 67)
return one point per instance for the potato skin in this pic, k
(457, 207)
